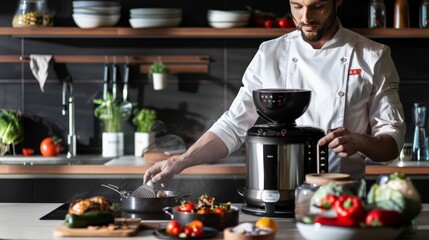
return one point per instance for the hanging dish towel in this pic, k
(39, 65)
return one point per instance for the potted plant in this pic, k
(11, 130)
(109, 113)
(158, 71)
(143, 137)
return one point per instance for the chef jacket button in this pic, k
(295, 59)
(340, 93)
(343, 59)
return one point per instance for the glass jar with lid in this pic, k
(32, 13)
(305, 192)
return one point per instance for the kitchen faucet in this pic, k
(67, 94)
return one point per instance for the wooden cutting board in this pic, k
(133, 228)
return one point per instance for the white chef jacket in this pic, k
(353, 83)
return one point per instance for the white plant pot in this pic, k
(113, 144)
(159, 80)
(142, 141)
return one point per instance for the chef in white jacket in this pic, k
(354, 87)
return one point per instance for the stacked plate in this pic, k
(228, 19)
(92, 14)
(155, 17)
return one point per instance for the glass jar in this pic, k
(401, 18)
(32, 13)
(376, 14)
(305, 192)
(303, 195)
(424, 14)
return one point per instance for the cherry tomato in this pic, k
(187, 206)
(197, 231)
(50, 146)
(285, 23)
(27, 151)
(219, 210)
(196, 223)
(197, 227)
(269, 23)
(173, 228)
(204, 211)
(187, 230)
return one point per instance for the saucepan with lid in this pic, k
(130, 203)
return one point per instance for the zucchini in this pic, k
(91, 218)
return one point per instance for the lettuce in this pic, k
(11, 129)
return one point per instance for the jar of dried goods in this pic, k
(32, 13)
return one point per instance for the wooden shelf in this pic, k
(189, 32)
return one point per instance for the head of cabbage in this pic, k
(397, 192)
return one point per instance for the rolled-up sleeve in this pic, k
(386, 112)
(232, 126)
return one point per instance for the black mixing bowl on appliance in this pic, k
(279, 153)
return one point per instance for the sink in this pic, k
(58, 160)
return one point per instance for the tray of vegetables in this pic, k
(390, 206)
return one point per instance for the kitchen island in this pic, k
(21, 221)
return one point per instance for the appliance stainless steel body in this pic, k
(279, 154)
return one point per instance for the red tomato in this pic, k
(173, 228)
(269, 23)
(197, 231)
(204, 211)
(197, 227)
(219, 210)
(27, 151)
(188, 231)
(196, 223)
(285, 23)
(187, 206)
(50, 146)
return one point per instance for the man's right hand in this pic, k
(208, 149)
(163, 171)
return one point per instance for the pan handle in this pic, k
(240, 191)
(180, 197)
(169, 211)
(115, 188)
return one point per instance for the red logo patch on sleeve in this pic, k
(354, 71)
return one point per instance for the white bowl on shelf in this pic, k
(155, 15)
(227, 16)
(98, 10)
(154, 22)
(176, 11)
(95, 20)
(220, 24)
(85, 4)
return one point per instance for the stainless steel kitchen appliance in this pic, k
(279, 153)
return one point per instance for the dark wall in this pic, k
(191, 102)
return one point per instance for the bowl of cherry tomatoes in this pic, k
(214, 215)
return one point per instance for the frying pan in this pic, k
(147, 205)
